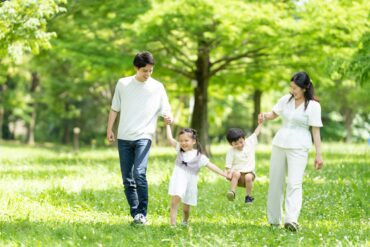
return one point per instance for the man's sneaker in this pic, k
(230, 195)
(291, 226)
(249, 199)
(140, 219)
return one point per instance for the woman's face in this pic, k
(298, 93)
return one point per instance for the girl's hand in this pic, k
(318, 162)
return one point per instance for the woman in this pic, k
(290, 146)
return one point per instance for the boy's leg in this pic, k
(186, 210)
(126, 157)
(234, 180)
(249, 177)
(142, 148)
(175, 201)
(276, 187)
(297, 161)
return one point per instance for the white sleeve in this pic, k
(314, 115)
(229, 158)
(279, 107)
(252, 140)
(165, 109)
(203, 160)
(116, 101)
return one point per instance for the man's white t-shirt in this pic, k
(139, 104)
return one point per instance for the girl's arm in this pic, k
(170, 138)
(317, 141)
(216, 169)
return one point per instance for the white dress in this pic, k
(184, 183)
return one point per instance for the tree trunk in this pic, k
(66, 126)
(257, 107)
(349, 115)
(199, 120)
(32, 124)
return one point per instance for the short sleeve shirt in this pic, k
(189, 155)
(243, 160)
(296, 122)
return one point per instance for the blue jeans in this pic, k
(133, 156)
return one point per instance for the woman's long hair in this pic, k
(302, 80)
(194, 135)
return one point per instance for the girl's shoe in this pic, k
(291, 226)
(230, 195)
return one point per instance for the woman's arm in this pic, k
(317, 141)
(267, 116)
(216, 169)
(170, 138)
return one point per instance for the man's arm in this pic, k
(111, 119)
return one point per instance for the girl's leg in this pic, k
(249, 183)
(175, 201)
(297, 161)
(276, 187)
(186, 213)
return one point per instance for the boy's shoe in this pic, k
(291, 226)
(230, 195)
(249, 199)
(140, 219)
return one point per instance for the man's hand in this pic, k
(110, 136)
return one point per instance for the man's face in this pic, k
(143, 73)
(239, 144)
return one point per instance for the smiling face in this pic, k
(186, 141)
(143, 73)
(238, 144)
(296, 91)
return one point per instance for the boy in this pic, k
(240, 161)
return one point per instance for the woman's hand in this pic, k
(318, 162)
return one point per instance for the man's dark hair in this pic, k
(142, 59)
(234, 134)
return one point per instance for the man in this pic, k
(140, 100)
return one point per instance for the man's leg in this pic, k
(126, 155)
(142, 148)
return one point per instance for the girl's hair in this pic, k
(302, 80)
(194, 135)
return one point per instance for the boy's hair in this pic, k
(234, 134)
(142, 59)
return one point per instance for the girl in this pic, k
(183, 183)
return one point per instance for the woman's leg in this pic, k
(175, 201)
(297, 161)
(276, 187)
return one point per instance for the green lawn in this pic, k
(50, 196)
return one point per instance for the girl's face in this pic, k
(298, 93)
(186, 141)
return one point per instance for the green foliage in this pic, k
(23, 26)
(50, 196)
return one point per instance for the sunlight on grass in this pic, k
(52, 196)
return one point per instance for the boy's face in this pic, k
(239, 144)
(143, 73)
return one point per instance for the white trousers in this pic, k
(291, 162)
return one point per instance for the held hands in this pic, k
(318, 162)
(261, 118)
(167, 119)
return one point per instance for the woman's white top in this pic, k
(243, 160)
(295, 131)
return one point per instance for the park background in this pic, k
(222, 62)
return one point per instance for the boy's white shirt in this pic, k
(243, 160)
(139, 104)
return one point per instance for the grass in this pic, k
(51, 196)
